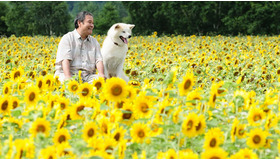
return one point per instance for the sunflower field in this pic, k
(188, 97)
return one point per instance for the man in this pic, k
(79, 51)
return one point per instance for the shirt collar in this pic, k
(78, 36)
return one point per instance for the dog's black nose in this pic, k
(129, 36)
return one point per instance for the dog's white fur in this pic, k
(114, 50)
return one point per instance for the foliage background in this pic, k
(166, 17)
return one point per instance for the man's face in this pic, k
(87, 26)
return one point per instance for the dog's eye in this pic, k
(123, 31)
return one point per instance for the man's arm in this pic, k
(100, 69)
(66, 68)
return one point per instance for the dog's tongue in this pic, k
(124, 40)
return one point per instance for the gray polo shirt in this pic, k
(83, 54)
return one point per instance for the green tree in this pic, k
(108, 16)
(17, 18)
(3, 26)
(50, 18)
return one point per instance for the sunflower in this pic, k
(256, 138)
(40, 125)
(17, 73)
(108, 147)
(48, 153)
(98, 84)
(233, 131)
(104, 124)
(76, 108)
(142, 107)
(31, 95)
(214, 153)
(85, 90)
(127, 114)
(255, 116)
(40, 83)
(63, 103)
(5, 105)
(73, 86)
(65, 150)
(49, 81)
(200, 128)
(271, 121)
(156, 129)
(240, 131)
(244, 154)
(131, 93)
(115, 89)
(7, 88)
(90, 130)
(189, 125)
(213, 95)
(176, 114)
(14, 102)
(186, 85)
(20, 145)
(61, 136)
(170, 154)
(119, 134)
(213, 138)
(134, 83)
(139, 132)
(194, 97)
(187, 154)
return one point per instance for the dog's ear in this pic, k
(131, 26)
(117, 26)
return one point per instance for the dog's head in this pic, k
(121, 32)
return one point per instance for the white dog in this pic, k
(114, 50)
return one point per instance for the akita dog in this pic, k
(114, 50)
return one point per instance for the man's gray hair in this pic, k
(81, 17)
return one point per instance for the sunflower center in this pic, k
(74, 87)
(98, 85)
(61, 139)
(213, 142)
(141, 134)
(257, 117)
(117, 136)
(4, 105)
(85, 91)
(127, 115)
(198, 126)
(214, 98)
(80, 108)
(256, 139)
(187, 84)
(48, 82)
(15, 104)
(62, 106)
(116, 90)
(105, 128)
(189, 125)
(40, 84)
(90, 132)
(241, 132)
(215, 157)
(144, 107)
(41, 128)
(17, 74)
(32, 96)
(6, 90)
(109, 149)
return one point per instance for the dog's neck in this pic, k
(117, 44)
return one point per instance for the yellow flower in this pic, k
(5, 105)
(189, 125)
(256, 138)
(76, 109)
(175, 117)
(90, 130)
(240, 131)
(255, 116)
(170, 154)
(186, 85)
(73, 86)
(200, 128)
(61, 136)
(40, 125)
(142, 107)
(85, 90)
(17, 74)
(119, 134)
(244, 154)
(31, 96)
(7, 88)
(127, 114)
(187, 154)
(40, 83)
(213, 138)
(214, 153)
(98, 84)
(271, 121)
(234, 129)
(48, 153)
(139, 132)
(115, 89)
(14, 101)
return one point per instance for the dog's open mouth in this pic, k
(123, 39)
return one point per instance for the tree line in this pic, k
(166, 17)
